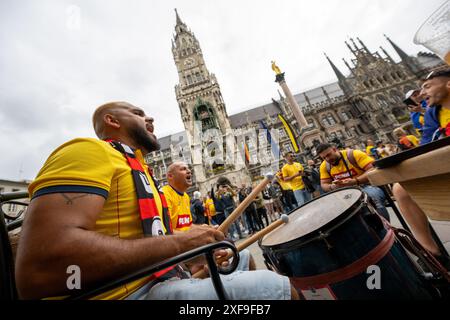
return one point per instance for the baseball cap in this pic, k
(410, 93)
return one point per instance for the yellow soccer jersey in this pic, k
(89, 165)
(413, 140)
(289, 170)
(210, 205)
(340, 172)
(179, 206)
(283, 184)
(444, 117)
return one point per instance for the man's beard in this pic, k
(143, 139)
(335, 162)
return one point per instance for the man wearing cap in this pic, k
(436, 92)
(416, 106)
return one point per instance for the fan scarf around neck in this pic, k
(151, 222)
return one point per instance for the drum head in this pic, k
(313, 216)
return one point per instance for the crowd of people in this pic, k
(95, 204)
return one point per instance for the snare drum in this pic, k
(338, 247)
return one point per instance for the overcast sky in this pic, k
(60, 59)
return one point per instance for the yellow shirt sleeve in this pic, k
(323, 171)
(362, 159)
(413, 140)
(169, 199)
(444, 117)
(285, 171)
(65, 167)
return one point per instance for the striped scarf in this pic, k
(150, 219)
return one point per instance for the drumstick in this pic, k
(247, 242)
(245, 203)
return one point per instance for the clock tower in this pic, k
(198, 92)
(203, 113)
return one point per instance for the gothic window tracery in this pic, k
(204, 113)
(382, 101)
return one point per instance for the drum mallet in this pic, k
(247, 242)
(245, 203)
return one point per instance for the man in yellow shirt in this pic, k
(91, 207)
(210, 209)
(288, 198)
(179, 178)
(292, 172)
(370, 147)
(348, 168)
(405, 141)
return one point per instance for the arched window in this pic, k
(366, 84)
(382, 101)
(368, 104)
(311, 122)
(345, 116)
(396, 96)
(331, 119)
(189, 79)
(199, 77)
(325, 122)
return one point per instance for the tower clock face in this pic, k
(189, 62)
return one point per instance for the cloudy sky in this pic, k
(60, 59)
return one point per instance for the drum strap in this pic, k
(353, 269)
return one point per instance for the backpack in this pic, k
(351, 159)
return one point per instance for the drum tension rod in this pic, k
(323, 236)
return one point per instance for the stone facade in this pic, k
(365, 104)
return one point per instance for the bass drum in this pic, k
(339, 247)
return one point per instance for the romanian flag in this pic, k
(289, 132)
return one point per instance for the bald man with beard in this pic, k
(179, 177)
(95, 205)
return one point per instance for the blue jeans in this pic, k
(319, 188)
(234, 227)
(378, 197)
(301, 196)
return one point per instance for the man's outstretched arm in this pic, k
(59, 232)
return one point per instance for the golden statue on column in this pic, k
(275, 68)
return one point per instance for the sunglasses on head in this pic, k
(440, 73)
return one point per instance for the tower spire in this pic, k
(178, 17)
(338, 73)
(348, 66)
(387, 54)
(399, 51)
(341, 78)
(363, 45)
(350, 48)
(408, 61)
